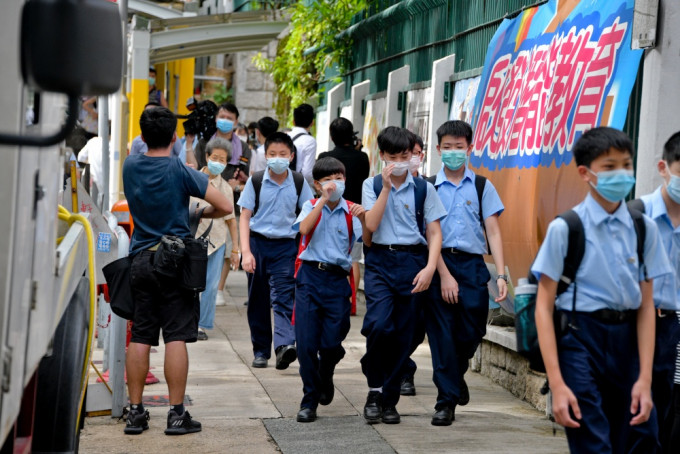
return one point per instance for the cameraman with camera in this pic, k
(158, 187)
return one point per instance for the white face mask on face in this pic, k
(400, 167)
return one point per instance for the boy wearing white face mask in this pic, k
(403, 218)
(663, 206)
(597, 337)
(268, 250)
(329, 227)
(458, 303)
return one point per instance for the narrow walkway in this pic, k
(245, 410)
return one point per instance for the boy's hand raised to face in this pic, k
(326, 190)
(357, 211)
(387, 177)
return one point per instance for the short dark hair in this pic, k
(158, 125)
(419, 142)
(342, 131)
(303, 115)
(394, 140)
(455, 128)
(152, 69)
(267, 126)
(279, 137)
(327, 166)
(598, 141)
(229, 107)
(671, 151)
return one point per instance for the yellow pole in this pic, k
(185, 70)
(138, 96)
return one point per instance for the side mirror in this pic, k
(73, 47)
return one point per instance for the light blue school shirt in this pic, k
(330, 242)
(609, 275)
(460, 227)
(276, 214)
(667, 287)
(398, 224)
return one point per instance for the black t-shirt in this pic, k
(357, 169)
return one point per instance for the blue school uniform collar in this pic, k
(658, 205)
(441, 176)
(408, 182)
(342, 205)
(289, 177)
(598, 215)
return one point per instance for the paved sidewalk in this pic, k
(247, 410)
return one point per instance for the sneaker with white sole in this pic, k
(202, 335)
(220, 301)
(181, 424)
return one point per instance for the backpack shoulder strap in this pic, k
(257, 186)
(636, 204)
(480, 183)
(348, 219)
(420, 195)
(299, 180)
(641, 233)
(377, 185)
(297, 136)
(576, 248)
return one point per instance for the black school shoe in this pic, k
(136, 422)
(391, 416)
(464, 398)
(408, 388)
(285, 354)
(373, 408)
(181, 424)
(306, 415)
(444, 416)
(327, 390)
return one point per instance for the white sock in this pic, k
(376, 389)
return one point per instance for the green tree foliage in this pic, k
(314, 24)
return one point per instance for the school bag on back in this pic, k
(525, 299)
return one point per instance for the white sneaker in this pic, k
(219, 301)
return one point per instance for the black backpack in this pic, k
(257, 178)
(480, 183)
(525, 325)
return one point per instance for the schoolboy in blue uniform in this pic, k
(322, 291)
(268, 250)
(458, 304)
(397, 267)
(663, 206)
(599, 358)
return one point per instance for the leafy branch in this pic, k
(314, 25)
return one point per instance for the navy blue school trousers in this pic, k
(389, 320)
(665, 352)
(599, 362)
(271, 287)
(454, 331)
(410, 367)
(322, 307)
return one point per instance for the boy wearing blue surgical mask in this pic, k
(597, 337)
(663, 206)
(269, 206)
(458, 304)
(329, 227)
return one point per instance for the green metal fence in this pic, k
(390, 34)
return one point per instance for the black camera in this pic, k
(201, 121)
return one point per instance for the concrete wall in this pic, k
(253, 89)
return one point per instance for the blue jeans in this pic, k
(209, 295)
